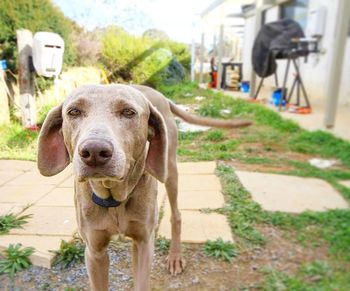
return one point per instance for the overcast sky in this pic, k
(175, 17)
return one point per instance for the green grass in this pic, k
(17, 142)
(220, 249)
(11, 221)
(69, 253)
(15, 259)
(215, 135)
(242, 212)
(315, 275)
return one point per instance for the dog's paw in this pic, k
(175, 263)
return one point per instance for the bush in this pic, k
(128, 58)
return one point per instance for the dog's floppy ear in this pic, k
(52, 153)
(157, 158)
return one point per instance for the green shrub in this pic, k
(129, 58)
(220, 249)
(10, 221)
(15, 260)
(69, 253)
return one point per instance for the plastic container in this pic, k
(245, 86)
(277, 97)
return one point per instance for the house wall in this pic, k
(315, 71)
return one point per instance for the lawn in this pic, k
(272, 144)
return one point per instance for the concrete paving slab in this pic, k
(345, 183)
(67, 183)
(7, 208)
(42, 244)
(291, 194)
(8, 175)
(23, 195)
(33, 178)
(49, 221)
(196, 168)
(58, 197)
(198, 227)
(199, 182)
(196, 200)
(17, 165)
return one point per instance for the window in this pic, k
(296, 10)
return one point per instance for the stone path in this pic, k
(291, 194)
(50, 202)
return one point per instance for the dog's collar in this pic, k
(109, 202)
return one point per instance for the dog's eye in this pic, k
(74, 112)
(128, 112)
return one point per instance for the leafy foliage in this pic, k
(220, 249)
(16, 259)
(162, 245)
(69, 253)
(10, 221)
(141, 59)
(35, 15)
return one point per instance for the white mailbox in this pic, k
(48, 48)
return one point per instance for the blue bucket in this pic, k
(277, 97)
(245, 87)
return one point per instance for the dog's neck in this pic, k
(121, 191)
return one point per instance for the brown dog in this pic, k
(120, 139)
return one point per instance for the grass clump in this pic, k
(11, 221)
(69, 253)
(162, 245)
(215, 135)
(220, 249)
(15, 259)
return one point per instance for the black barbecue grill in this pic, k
(283, 39)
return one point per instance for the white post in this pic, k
(220, 54)
(26, 82)
(336, 62)
(201, 60)
(258, 20)
(193, 55)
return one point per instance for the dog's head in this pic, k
(105, 130)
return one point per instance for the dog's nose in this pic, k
(96, 153)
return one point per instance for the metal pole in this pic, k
(220, 54)
(26, 82)
(336, 63)
(201, 59)
(258, 20)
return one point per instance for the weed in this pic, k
(16, 259)
(220, 249)
(10, 221)
(215, 135)
(69, 253)
(162, 245)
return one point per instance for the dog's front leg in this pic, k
(142, 261)
(96, 260)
